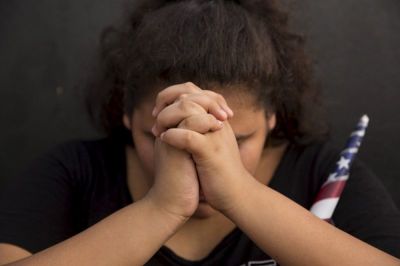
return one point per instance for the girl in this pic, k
(214, 154)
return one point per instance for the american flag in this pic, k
(327, 198)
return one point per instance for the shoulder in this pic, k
(303, 169)
(84, 151)
(78, 149)
(314, 161)
(69, 187)
(75, 161)
(316, 153)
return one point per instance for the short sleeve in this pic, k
(38, 207)
(366, 211)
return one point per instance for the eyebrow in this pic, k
(244, 136)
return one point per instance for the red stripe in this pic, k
(331, 190)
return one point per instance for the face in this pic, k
(250, 125)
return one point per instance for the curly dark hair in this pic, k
(242, 43)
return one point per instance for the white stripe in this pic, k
(324, 208)
(364, 120)
(360, 133)
(349, 150)
(334, 179)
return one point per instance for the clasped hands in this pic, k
(195, 149)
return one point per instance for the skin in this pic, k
(200, 152)
(250, 126)
(230, 187)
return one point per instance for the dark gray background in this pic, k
(46, 50)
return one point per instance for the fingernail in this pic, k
(220, 123)
(223, 113)
(154, 130)
(154, 112)
(162, 136)
(230, 111)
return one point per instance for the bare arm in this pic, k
(128, 237)
(294, 236)
(279, 226)
(10, 253)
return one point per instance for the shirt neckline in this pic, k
(236, 232)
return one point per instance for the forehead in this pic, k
(248, 114)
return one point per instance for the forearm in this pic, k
(128, 237)
(293, 236)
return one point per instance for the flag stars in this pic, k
(344, 163)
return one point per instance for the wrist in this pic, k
(164, 213)
(241, 194)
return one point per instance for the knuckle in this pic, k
(186, 105)
(189, 84)
(215, 105)
(183, 105)
(216, 96)
(160, 96)
(219, 97)
(210, 93)
(188, 138)
(183, 96)
(191, 87)
(207, 98)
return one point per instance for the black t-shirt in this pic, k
(79, 183)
